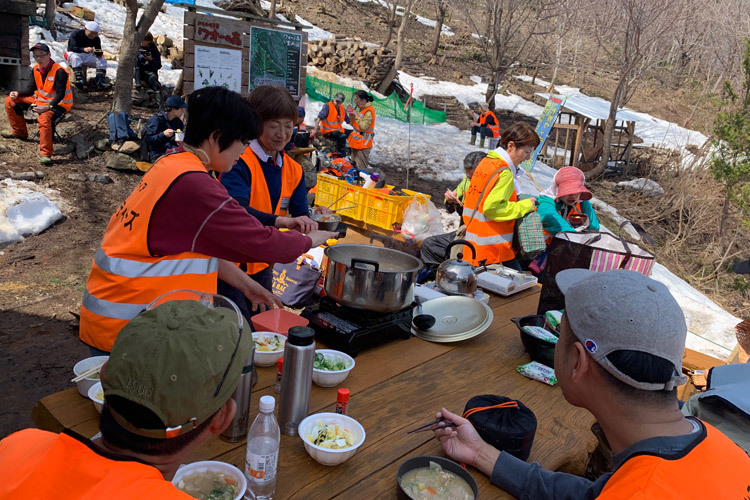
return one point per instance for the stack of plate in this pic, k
(456, 318)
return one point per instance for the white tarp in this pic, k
(595, 108)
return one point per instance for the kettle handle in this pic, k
(459, 242)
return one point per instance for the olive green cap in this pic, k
(172, 359)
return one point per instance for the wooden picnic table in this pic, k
(395, 387)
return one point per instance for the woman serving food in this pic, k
(179, 228)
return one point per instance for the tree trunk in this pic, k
(272, 10)
(132, 34)
(440, 11)
(391, 18)
(723, 224)
(402, 35)
(492, 88)
(49, 13)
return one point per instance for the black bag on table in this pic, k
(508, 429)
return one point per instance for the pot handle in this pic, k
(460, 242)
(364, 261)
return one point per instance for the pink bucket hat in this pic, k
(570, 180)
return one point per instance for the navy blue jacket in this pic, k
(79, 41)
(152, 65)
(157, 142)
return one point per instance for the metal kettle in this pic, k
(456, 276)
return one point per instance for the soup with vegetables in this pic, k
(330, 435)
(209, 485)
(269, 342)
(435, 483)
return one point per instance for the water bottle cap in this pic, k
(300, 336)
(267, 403)
(375, 177)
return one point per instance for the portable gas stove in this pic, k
(351, 330)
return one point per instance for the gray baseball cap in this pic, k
(339, 97)
(625, 310)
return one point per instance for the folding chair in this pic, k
(55, 136)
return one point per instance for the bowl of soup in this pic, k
(331, 438)
(327, 222)
(96, 395)
(210, 477)
(87, 364)
(269, 347)
(435, 478)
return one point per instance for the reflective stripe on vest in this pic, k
(40, 464)
(495, 129)
(125, 276)
(260, 198)
(574, 210)
(335, 119)
(362, 139)
(714, 468)
(493, 240)
(45, 89)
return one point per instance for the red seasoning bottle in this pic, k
(279, 369)
(342, 401)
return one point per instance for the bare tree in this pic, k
(391, 21)
(441, 6)
(401, 37)
(628, 32)
(132, 34)
(272, 10)
(504, 28)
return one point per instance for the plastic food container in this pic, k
(277, 320)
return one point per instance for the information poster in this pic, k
(544, 125)
(218, 66)
(275, 58)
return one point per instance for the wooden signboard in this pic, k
(218, 51)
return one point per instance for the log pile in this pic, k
(351, 58)
(168, 50)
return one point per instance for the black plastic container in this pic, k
(539, 350)
(511, 430)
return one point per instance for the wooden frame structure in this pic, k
(568, 137)
(225, 33)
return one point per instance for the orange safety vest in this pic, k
(494, 128)
(493, 240)
(125, 276)
(36, 464)
(260, 199)
(45, 90)
(362, 139)
(335, 119)
(716, 466)
(574, 210)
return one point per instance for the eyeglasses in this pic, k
(212, 301)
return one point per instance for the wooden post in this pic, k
(583, 124)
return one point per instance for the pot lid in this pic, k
(456, 318)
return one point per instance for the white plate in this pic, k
(456, 318)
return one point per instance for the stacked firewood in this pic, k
(354, 58)
(168, 50)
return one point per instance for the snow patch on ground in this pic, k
(25, 209)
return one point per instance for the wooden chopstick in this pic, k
(87, 373)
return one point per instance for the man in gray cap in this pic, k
(85, 51)
(168, 388)
(619, 355)
(330, 123)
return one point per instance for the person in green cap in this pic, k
(167, 388)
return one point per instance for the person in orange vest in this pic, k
(266, 181)
(619, 356)
(330, 122)
(363, 121)
(566, 198)
(486, 125)
(179, 228)
(48, 95)
(149, 429)
(491, 204)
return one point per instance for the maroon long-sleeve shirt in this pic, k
(215, 224)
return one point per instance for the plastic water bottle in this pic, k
(262, 453)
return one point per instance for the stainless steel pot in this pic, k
(372, 278)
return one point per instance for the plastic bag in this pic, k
(421, 219)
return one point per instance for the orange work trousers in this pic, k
(18, 123)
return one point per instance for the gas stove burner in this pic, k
(351, 330)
